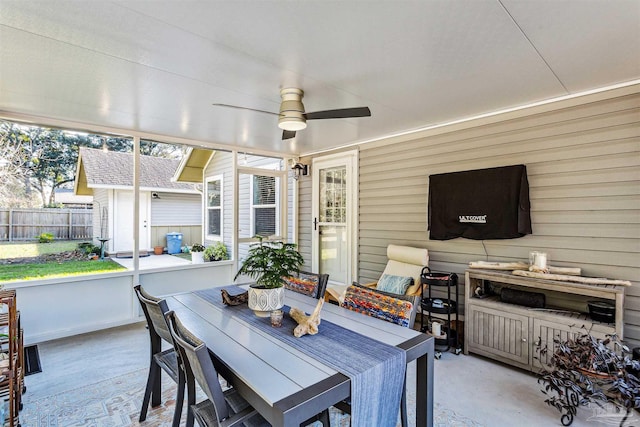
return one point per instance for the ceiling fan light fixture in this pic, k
(292, 123)
(292, 110)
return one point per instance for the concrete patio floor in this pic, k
(153, 261)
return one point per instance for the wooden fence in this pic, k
(27, 224)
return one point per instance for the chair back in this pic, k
(154, 310)
(195, 356)
(310, 284)
(394, 308)
(407, 262)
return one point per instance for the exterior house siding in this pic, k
(583, 165)
(185, 209)
(222, 164)
(176, 213)
(101, 211)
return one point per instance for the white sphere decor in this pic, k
(263, 301)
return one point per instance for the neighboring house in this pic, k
(165, 206)
(259, 201)
(67, 198)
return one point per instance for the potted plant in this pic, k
(216, 252)
(268, 262)
(197, 253)
(584, 369)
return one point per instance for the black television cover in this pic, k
(480, 204)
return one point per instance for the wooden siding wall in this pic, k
(190, 234)
(583, 164)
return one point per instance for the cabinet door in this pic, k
(544, 332)
(498, 334)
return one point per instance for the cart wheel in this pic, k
(457, 351)
(438, 355)
(24, 389)
(21, 406)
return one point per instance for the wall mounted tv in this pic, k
(480, 204)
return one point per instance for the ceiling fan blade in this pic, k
(244, 108)
(288, 134)
(342, 113)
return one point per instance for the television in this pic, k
(479, 204)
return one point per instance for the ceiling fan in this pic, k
(292, 116)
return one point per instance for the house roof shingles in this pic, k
(115, 169)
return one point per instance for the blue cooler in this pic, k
(174, 243)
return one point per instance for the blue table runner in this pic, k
(376, 369)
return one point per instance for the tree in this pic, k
(42, 159)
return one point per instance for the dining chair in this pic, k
(221, 408)
(310, 284)
(391, 307)
(154, 310)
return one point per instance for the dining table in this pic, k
(285, 384)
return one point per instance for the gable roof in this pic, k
(192, 165)
(111, 169)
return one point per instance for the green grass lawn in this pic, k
(54, 269)
(32, 271)
(31, 249)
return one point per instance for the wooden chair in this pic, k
(310, 284)
(398, 309)
(221, 408)
(168, 360)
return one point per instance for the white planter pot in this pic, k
(197, 257)
(264, 301)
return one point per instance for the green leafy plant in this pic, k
(584, 369)
(216, 252)
(197, 247)
(269, 261)
(45, 238)
(89, 248)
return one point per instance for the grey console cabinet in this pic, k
(515, 334)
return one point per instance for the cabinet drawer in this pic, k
(498, 334)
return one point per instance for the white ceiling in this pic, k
(157, 66)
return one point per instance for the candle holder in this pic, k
(539, 260)
(276, 318)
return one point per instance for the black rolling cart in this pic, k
(447, 308)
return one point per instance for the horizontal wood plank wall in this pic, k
(583, 163)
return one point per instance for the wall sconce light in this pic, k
(299, 170)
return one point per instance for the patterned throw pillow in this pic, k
(394, 284)
(395, 309)
(306, 284)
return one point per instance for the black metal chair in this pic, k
(221, 408)
(154, 311)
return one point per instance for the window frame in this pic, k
(207, 208)
(276, 204)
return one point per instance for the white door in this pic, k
(123, 221)
(334, 243)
